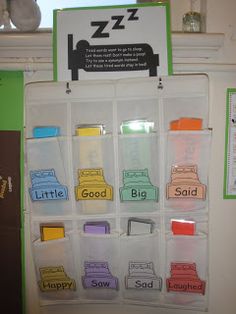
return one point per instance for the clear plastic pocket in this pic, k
(99, 266)
(139, 172)
(94, 177)
(187, 161)
(46, 114)
(140, 267)
(138, 108)
(186, 106)
(56, 276)
(90, 112)
(186, 270)
(48, 177)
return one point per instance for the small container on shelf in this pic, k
(192, 20)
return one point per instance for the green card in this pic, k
(11, 92)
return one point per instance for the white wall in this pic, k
(221, 18)
(222, 212)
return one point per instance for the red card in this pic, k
(183, 227)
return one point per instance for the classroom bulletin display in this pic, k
(117, 190)
(117, 164)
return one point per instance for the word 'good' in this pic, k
(92, 186)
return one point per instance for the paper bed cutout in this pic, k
(98, 276)
(185, 183)
(184, 278)
(141, 275)
(137, 186)
(92, 185)
(55, 279)
(46, 187)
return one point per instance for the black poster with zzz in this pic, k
(10, 222)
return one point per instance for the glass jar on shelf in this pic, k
(192, 20)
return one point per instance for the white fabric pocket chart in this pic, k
(120, 170)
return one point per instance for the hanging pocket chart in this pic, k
(116, 194)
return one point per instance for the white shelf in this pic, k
(197, 45)
(33, 51)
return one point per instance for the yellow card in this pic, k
(52, 232)
(90, 130)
